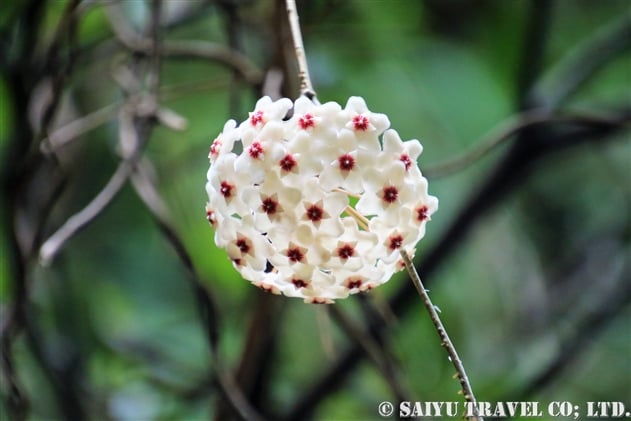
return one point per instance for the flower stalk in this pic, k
(306, 88)
(445, 341)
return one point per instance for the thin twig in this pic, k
(306, 88)
(156, 49)
(583, 61)
(444, 337)
(375, 351)
(148, 193)
(68, 132)
(203, 50)
(505, 130)
(18, 69)
(75, 223)
(134, 130)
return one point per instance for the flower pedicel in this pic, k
(319, 205)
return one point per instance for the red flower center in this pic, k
(295, 254)
(255, 150)
(390, 194)
(287, 163)
(243, 245)
(314, 213)
(354, 282)
(269, 206)
(407, 161)
(347, 162)
(306, 121)
(299, 283)
(422, 213)
(256, 118)
(210, 216)
(214, 148)
(226, 189)
(345, 252)
(395, 241)
(360, 122)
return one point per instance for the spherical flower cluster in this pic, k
(315, 201)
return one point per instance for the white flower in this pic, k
(224, 142)
(272, 203)
(345, 164)
(387, 190)
(312, 205)
(404, 153)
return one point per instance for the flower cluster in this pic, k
(317, 205)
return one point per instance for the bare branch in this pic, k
(508, 128)
(75, 223)
(202, 50)
(583, 61)
(445, 341)
(378, 353)
(306, 88)
(585, 332)
(150, 196)
(65, 134)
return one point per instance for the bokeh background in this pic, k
(139, 316)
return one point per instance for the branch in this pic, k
(584, 333)
(583, 61)
(14, 177)
(533, 51)
(202, 50)
(80, 220)
(149, 195)
(507, 129)
(378, 353)
(445, 341)
(306, 88)
(68, 132)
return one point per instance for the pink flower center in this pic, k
(210, 216)
(317, 300)
(256, 118)
(265, 287)
(255, 150)
(360, 122)
(407, 161)
(347, 162)
(214, 148)
(306, 121)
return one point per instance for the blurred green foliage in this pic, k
(116, 302)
